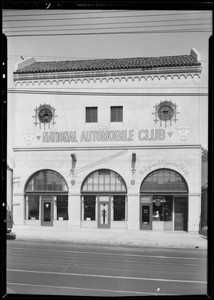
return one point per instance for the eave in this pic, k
(108, 73)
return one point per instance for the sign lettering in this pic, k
(104, 136)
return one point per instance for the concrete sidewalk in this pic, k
(137, 238)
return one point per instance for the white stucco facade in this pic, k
(104, 145)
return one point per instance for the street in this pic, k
(71, 269)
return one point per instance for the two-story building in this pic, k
(108, 143)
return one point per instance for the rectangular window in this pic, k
(89, 208)
(62, 207)
(33, 207)
(116, 114)
(91, 114)
(119, 208)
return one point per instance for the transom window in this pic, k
(47, 180)
(116, 114)
(104, 181)
(164, 180)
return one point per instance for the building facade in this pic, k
(108, 143)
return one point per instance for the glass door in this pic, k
(181, 213)
(47, 211)
(104, 212)
(146, 216)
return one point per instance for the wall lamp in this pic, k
(73, 161)
(133, 161)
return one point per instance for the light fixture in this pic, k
(73, 162)
(133, 162)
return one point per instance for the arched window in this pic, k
(164, 180)
(46, 180)
(104, 181)
(46, 183)
(104, 187)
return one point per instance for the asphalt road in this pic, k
(68, 269)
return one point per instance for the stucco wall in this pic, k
(173, 145)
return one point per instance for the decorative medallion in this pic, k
(44, 114)
(29, 137)
(183, 132)
(165, 113)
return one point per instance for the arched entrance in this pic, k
(104, 198)
(164, 201)
(46, 198)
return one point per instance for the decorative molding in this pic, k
(136, 147)
(50, 79)
(88, 93)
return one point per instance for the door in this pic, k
(104, 215)
(47, 211)
(146, 216)
(180, 214)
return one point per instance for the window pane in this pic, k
(62, 207)
(162, 208)
(164, 180)
(47, 181)
(119, 208)
(104, 180)
(89, 208)
(113, 114)
(33, 207)
(91, 114)
(116, 113)
(119, 115)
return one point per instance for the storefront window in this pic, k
(89, 208)
(33, 207)
(62, 207)
(119, 208)
(162, 208)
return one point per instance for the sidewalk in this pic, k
(137, 238)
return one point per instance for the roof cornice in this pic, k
(109, 73)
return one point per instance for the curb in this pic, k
(110, 243)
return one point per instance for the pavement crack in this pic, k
(70, 265)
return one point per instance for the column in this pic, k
(194, 212)
(126, 208)
(96, 209)
(26, 207)
(133, 211)
(55, 208)
(112, 208)
(19, 209)
(74, 210)
(82, 208)
(40, 207)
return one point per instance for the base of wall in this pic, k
(18, 222)
(60, 223)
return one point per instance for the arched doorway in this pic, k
(164, 201)
(46, 198)
(104, 198)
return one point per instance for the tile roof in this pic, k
(145, 63)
